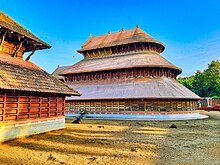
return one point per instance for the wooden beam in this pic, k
(2, 41)
(93, 54)
(18, 49)
(29, 56)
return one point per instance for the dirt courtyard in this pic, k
(121, 142)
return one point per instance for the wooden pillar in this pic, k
(2, 41)
(29, 107)
(56, 100)
(18, 107)
(64, 105)
(3, 118)
(49, 106)
(40, 108)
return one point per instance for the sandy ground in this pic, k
(121, 142)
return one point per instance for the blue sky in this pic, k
(189, 29)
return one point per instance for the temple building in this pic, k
(31, 100)
(123, 75)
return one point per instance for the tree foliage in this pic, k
(204, 83)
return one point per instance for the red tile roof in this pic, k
(10, 24)
(132, 60)
(17, 74)
(118, 38)
(149, 88)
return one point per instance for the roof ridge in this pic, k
(118, 38)
(102, 35)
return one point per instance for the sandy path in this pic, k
(120, 142)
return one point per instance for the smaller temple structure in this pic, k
(58, 71)
(31, 100)
(124, 76)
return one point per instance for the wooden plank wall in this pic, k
(21, 106)
(130, 105)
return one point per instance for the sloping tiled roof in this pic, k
(17, 74)
(118, 38)
(132, 60)
(56, 73)
(149, 88)
(10, 24)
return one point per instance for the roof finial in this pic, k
(122, 29)
(137, 26)
(109, 32)
(90, 36)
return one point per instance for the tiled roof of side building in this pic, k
(118, 38)
(10, 24)
(17, 74)
(132, 60)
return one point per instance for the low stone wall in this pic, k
(144, 116)
(12, 131)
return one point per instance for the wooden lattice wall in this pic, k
(73, 107)
(22, 105)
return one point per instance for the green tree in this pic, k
(206, 83)
(187, 81)
(212, 75)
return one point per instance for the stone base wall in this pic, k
(9, 131)
(144, 116)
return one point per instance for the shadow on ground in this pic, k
(119, 142)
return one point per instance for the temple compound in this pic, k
(31, 100)
(123, 75)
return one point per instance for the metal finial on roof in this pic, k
(109, 32)
(137, 26)
(122, 29)
(90, 35)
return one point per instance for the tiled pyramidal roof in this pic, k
(118, 38)
(17, 74)
(125, 50)
(21, 75)
(127, 60)
(119, 62)
(150, 88)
